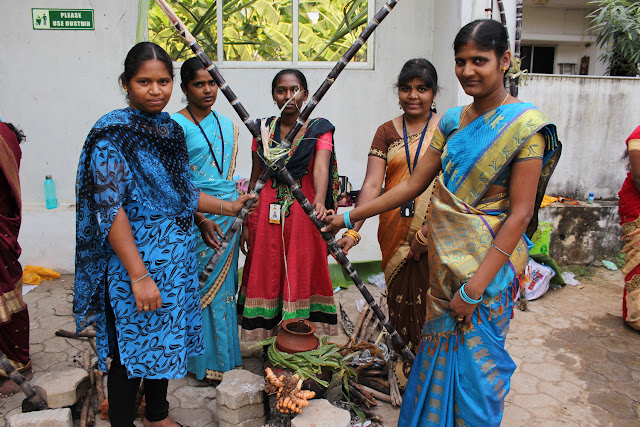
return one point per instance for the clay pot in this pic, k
(297, 335)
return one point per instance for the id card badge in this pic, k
(274, 213)
(407, 210)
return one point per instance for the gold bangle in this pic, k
(420, 237)
(221, 214)
(203, 220)
(353, 234)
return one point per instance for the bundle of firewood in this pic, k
(94, 400)
(373, 382)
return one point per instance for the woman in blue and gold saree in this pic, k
(212, 144)
(495, 157)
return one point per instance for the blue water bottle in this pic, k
(50, 192)
(591, 197)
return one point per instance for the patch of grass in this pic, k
(579, 270)
(618, 260)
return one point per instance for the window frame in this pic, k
(294, 63)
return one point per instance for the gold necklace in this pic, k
(464, 112)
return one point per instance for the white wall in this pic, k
(594, 116)
(56, 84)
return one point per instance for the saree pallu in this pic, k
(462, 374)
(629, 210)
(407, 280)
(14, 317)
(217, 295)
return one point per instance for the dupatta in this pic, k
(128, 155)
(302, 150)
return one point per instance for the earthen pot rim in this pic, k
(289, 322)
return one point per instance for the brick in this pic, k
(321, 413)
(241, 414)
(49, 418)
(194, 397)
(62, 388)
(240, 388)
(254, 422)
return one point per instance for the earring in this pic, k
(433, 105)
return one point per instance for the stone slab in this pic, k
(321, 413)
(62, 388)
(255, 422)
(243, 413)
(49, 418)
(239, 388)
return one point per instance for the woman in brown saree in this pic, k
(14, 317)
(395, 150)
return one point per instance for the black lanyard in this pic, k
(406, 142)
(209, 142)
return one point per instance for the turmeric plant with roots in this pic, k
(288, 390)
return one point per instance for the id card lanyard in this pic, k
(406, 142)
(218, 165)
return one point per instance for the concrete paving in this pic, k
(578, 363)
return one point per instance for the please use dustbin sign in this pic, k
(62, 19)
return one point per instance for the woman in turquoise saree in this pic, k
(212, 144)
(495, 157)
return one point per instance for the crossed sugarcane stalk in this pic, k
(279, 166)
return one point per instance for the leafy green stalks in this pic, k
(273, 154)
(309, 364)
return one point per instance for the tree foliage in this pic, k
(262, 30)
(618, 25)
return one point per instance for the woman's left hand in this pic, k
(237, 204)
(210, 231)
(460, 310)
(322, 211)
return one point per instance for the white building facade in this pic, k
(55, 84)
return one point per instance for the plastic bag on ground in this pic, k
(538, 281)
(378, 280)
(570, 278)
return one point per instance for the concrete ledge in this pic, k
(48, 418)
(583, 233)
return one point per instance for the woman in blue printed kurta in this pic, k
(496, 156)
(212, 143)
(135, 276)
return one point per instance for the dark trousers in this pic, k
(122, 396)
